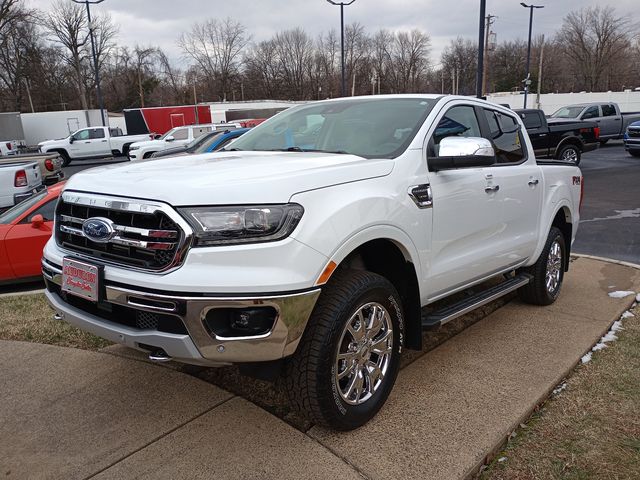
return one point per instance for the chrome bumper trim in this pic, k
(293, 313)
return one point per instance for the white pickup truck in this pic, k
(317, 244)
(19, 180)
(91, 143)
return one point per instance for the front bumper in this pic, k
(196, 345)
(632, 144)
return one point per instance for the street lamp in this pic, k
(95, 57)
(342, 5)
(527, 80)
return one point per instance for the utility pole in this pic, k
(483, 9)
(527, 80)
(343, 84)
(487, 34)
(95, 57)
(540, 72)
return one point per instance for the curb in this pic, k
(18, 294)
(608, 260)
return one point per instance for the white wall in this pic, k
(550, 102)
(219, 109)
(52, 125)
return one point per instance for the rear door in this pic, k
(466, 214)
(611, 122)
(24, 243)
(520, 192)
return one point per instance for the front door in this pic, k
(466, 213)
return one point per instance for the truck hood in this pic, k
(226, 178)
(151, 143)
(57, 141)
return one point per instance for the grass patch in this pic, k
(590, 430)
(28, 318)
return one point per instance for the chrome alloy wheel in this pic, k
(364, 353)
(570, 155)
(554, 267)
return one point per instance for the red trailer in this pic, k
(160, 120)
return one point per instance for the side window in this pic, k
(47, 211)
(608, 110)
(506, 137)
(181, 134)
(460, 121)
(591, 112)
(82, 135)
(531, 120)
(199, 131)
(96, 133)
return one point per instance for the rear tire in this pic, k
(348, 359)
(634, 154)
(603, 142)
(570, 154)
(65, 158)
(148, 154)
(548, 272)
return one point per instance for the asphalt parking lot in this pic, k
(609, 224)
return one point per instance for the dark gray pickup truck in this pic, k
(561, 139)
(606, 115)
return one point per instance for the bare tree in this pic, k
(9, 11)
(409, 60)
(262, 69)
(594, 39)
(459, 61)
(295, 57)
(67, 26)
(216, 46)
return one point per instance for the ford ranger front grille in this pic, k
(146, 235)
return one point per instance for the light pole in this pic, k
(483, 9)
(527, 80)
(343, 85)
(95, 57)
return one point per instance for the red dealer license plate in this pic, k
(80, 279)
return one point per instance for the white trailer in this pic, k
(42, 126)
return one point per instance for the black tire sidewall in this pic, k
(570, 147)
(341, 413)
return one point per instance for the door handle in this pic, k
(492, 189)
(104, 141)
(534, 182)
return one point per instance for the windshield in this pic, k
(369, 127)
(16, 212)
(201, 144)
(568, 112)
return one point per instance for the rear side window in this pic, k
(531, 120)
(506, 137)
(608, 110)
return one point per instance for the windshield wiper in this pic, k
(230, 150)
(300, 149)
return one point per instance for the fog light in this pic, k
(240, 322)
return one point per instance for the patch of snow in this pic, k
(611, 286)
(560, 388)
(621, 294)
(586, 358)
(610, 336)
(502, 459)
(638, 298)
(627, 314)
(635, 213)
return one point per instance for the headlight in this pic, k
(246, 224)
(134, 148)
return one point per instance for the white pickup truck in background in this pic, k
(316, 246)
(19, 180)
(91, 143)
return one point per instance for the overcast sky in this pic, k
(160, 22)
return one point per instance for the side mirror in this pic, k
(157, 136)
(169, 138)
(463, 152)
(71, 139)
(37, 221)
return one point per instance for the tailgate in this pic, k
(34, 177)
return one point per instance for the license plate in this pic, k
(80, 279)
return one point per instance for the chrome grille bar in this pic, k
(127, 242)
(126, 229)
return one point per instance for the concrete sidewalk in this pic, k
(67, 413)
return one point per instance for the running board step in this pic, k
(440, 317)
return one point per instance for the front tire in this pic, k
(570, 154)
(548, 272)
(65, 158)
(348, 359)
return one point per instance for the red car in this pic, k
(24, 230)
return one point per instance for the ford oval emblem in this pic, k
(99, 230)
